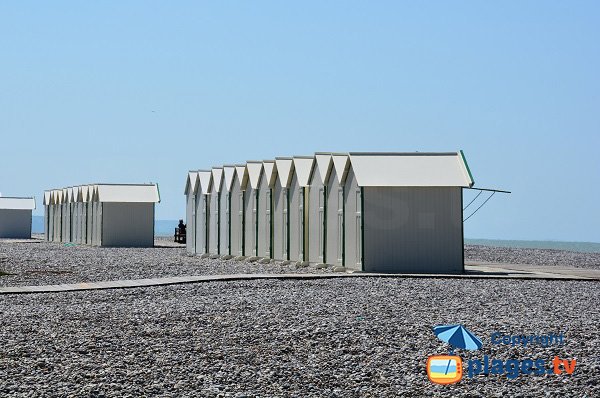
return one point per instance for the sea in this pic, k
(167, 228)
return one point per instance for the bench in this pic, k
(180, 235)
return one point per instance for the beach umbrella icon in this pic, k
(458, 337)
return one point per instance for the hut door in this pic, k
(227, 226)
(321, 222)
(255, 224)
(268, 222)
(358, 228)
(340, 225)
(241, 222)
(301, 225)
(192, 227)
(284, 224)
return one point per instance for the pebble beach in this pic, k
(361, 337)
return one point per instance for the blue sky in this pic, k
(142, 91)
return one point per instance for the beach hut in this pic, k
(47, 210)
(203, 186)
(215, 213)
(64, 208)
(77, 213)
(250, 208)
(334, 246)
(236, 194)
(15, 217)
(281, 202)
(88, 191)
(225, 211)
(57, 215)
(96, 217)
(70, 214)
(317, 208)
(265, 209)
(82, 198)
(298, 200)
(124, 214)
(190, 211)
(403, 212)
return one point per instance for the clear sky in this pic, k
(139, 91)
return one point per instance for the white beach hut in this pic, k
(238, 186)
(57, 215)
(47, 219)
(317, 208)
(215, 211)
(225, 211)
(281, 203)
(298, 208)
(250, 208)
(203, 186)
(190, 211)
(65, 215)
(403, 212)
(88, 191)
(124, 214)
(15, 217)
(334, 246)
(265, 209)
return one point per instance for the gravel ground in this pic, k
(43, 263)
(532, 256)
(336, 338)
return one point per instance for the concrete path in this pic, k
(473, 271)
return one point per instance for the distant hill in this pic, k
(161, 227)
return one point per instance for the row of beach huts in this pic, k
(384, 212)
(101, 214)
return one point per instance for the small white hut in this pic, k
(15, 217)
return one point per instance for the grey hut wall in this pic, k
(214, 220)
(50, 223)
(237, 217)
(250, 221)
(201, 215)
(413, 229)
(15, 223)
(46, 221)
(335, 221)
(66, 222)
(316, 218)
(190, 215)
(90, 222)
(297, 219)
(57, 223)
(352, 223)
(74, 222)
(224, 221)
(265, 209)
(97, 224)
(280, 222)
(127, 224)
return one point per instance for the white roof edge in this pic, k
(228, 176)
(434, 169)
(255, 170)
(303, 166)
(17, 203)
(217, 176)
(284, 170)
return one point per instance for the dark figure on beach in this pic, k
(180, 233)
